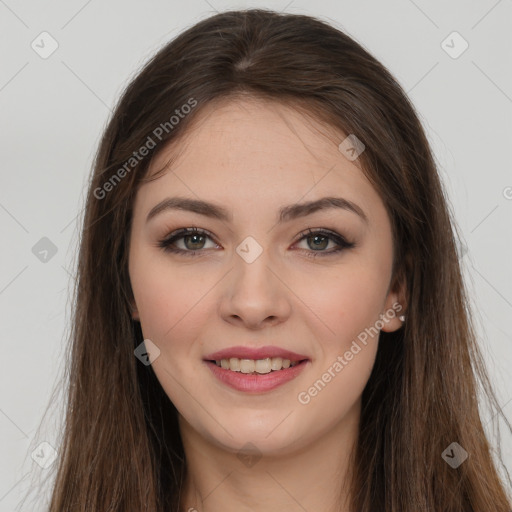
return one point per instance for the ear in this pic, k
(395, 305)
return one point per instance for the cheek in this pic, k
(350, 309)
(165, 297)
(171, 312)
(343, 303)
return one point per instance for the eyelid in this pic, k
(341, 242)
(182, 232)
(313, 231)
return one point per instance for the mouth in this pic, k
(256, 366)
(256, 370)
(250, 360)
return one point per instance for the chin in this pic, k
(270, 437)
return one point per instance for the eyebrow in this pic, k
(286, 213)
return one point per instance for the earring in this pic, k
(401, 318)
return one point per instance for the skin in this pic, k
(252, 157)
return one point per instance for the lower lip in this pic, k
(256, 383)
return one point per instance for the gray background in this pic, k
(54, 109)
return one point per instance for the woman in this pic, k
(270, 312)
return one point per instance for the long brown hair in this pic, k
(121, 448)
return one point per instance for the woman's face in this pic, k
(259, 280)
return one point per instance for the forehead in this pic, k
(254, 152)
(256, 127)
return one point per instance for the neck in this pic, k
(313, 477)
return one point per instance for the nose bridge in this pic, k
(254, 292)
(252, 264)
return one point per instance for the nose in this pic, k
(255, 296)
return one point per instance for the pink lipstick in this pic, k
(256, 370)
(254, 353)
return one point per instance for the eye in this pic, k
(194, 242)
(193, 239)
(319, 240)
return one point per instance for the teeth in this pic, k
(246, 365)
(234, 364)
(255, 365)
(263, 366)
(276, 363)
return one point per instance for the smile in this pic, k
(260, 366)
(249, 380)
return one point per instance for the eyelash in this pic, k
(343, 244)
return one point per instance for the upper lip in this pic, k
(241, 352)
